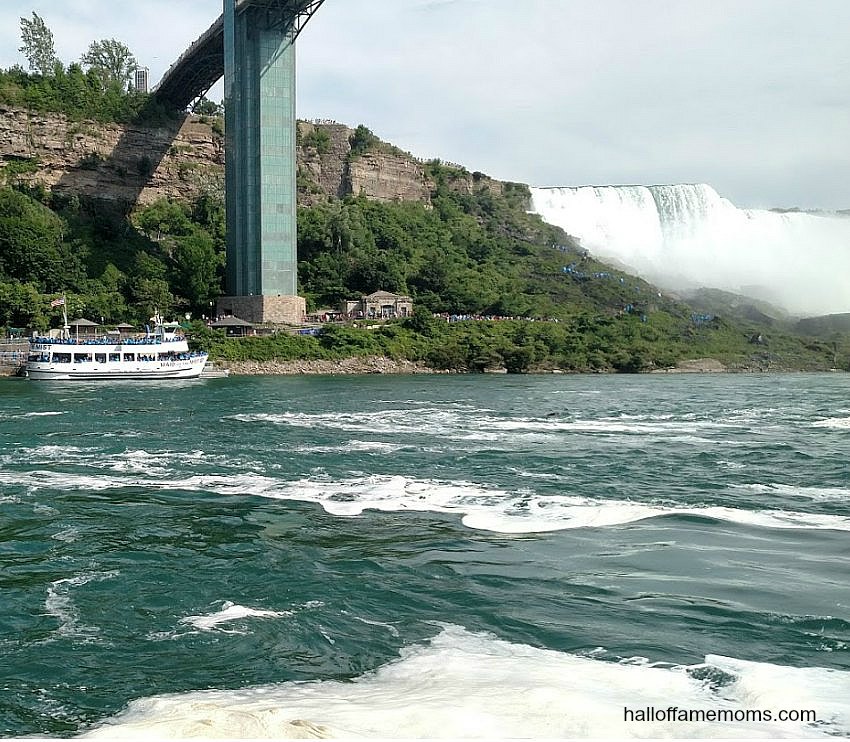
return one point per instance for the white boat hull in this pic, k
(102, 371)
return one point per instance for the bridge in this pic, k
(202, 65)
(253, 45)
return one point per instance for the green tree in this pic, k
(112, 61)
(208, 211)
(207, 107)
(422, 322)
(362, 140)
(153, 295)
(38, 46)
(164, 217)
(518, 358)
(20, 305)
(318, 138)
(198, 265)
(31, 244)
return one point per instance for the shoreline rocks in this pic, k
(383, 365)
(345, 366)
(695, 366)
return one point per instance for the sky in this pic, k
(750, 96)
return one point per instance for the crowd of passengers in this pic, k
(107, 341)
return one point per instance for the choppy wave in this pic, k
(431, 420)
(469, 685)
(67, 535)
(839, 423)
(480, 508)
(477, 425)
(24, 415)
(129, 460)
(354, 446)
(229, 613)
(289, 512)
(59, 603)
(833, 494)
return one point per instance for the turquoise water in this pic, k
(424, 556)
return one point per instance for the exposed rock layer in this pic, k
(139, 165)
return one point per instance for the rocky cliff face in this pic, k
(328, 168)
(122, 164)
(138, 165)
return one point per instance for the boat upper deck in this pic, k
(106, 340)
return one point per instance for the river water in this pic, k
(426, 556)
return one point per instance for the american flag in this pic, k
(58, 302)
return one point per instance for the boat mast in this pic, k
(66, 328)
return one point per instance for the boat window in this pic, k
(82, 357)
(100, 357)
(61, 358)
(129, 356)
(113, 357)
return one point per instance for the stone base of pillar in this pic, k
(276, 310)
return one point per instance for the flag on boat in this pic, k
(58, 302)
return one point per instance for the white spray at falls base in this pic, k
(688, 236)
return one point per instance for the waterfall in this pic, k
(686, 236)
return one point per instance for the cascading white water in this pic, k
(685, 236)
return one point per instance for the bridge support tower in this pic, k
(260, 165)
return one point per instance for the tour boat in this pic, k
(161, 353)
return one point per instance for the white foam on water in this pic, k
(140, 461)
(610, 425)
(428, 420)
(467, 685)
(833, 494)
(46, 479)
(40, 455)
(42, 509)
(230, 612)
(731, 464)
(59, 603)
(34, 414)
(481, 508)
(499, 511)
(838, 423)
(52, 452)
(354, 446)
(478, 425)
(762, 685)
(132, 461)
(68, 535)
(750, 414)
(369, 622)
(540, 475)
